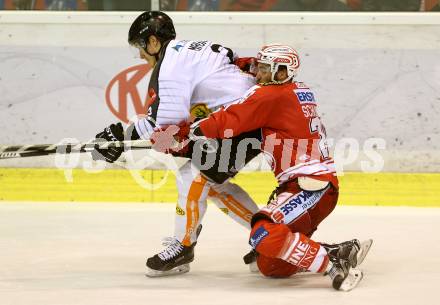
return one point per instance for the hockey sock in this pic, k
(277, 241)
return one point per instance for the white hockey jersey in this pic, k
(189, 73)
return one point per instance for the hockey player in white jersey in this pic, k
(188, 75)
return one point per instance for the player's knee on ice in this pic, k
(275, 267)
(268, 240)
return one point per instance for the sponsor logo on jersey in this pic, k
(294, 202)
(197, 45)
(180, 45)
(305, 96)
(296, 205)
(177, 47)
(309, 111)
(258, 236)
(200, 111)
(278, 217)
(272, 210)
(180, 211)
(303, 255)
(126, 94)
(224, 210)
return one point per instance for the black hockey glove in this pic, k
(115, 132)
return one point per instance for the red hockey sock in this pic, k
(277, 241)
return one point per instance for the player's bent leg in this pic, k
(235, 202)
(191, 206)
(279, 231)
(190, 209)
(275, 267)
(239, 151)
(275, 240)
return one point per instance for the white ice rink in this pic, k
(59, 254)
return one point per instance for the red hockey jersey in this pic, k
(293, 135)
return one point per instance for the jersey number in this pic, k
(316, 126)
(223, 50)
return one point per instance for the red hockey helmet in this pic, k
(277, 55)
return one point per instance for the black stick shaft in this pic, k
(20, 151)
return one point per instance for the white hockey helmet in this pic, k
(277, 55)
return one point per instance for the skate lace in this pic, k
(173, 248)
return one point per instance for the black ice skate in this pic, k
(174, 259)
(344, 257)
(250, 259)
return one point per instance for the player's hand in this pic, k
(247, 64)
(172, 139)
(113, 133)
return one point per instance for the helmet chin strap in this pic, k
(286, 80)
(274, 71)
(154, 55)
(157, 55)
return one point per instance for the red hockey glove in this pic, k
(172, 139)
(247, 64)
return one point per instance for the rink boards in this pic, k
(52, 81)
(112, 185)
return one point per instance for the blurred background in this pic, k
(224, 5)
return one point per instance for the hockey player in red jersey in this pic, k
(295, 140)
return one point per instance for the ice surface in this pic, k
(61, 253)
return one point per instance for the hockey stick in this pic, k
(20, 151)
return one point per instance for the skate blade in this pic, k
(175, 271)
(364, 249)
(352, 280)
(253, 267)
